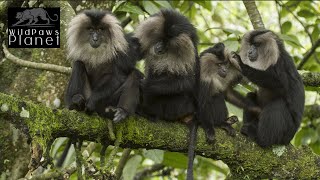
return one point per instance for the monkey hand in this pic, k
(120, 115)
(235, 60)
(210, 135)
(78, 102)
(90, 106)
(232, 119)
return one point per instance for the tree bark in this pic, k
(240, 154)
(254, 14)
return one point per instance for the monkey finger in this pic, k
(232, 119)
(230, 131)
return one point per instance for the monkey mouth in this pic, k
(94, 44)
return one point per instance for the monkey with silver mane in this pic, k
(103, 66)
(220, 72)
(280, 96)
(170, 88)
(218, 76)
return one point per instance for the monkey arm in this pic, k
(240, 101)
(268, 79)
(102, 91)
(165, 85)
(77, 87)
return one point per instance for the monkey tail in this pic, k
(56, 15)
(191, 148)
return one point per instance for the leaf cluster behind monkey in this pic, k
(219, 73)
(170, 88)
(103, 66)
(265, 62)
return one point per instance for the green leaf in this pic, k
(155, 155)
(231, 45)
(128, 7)
(56, 145)
(315, 33)
(283, 12)
(290, 38)
(306, 136)
(231, 31)
(175, 160)
(316, 147)
(164, 4)
(205, 4)
(131, 167)
(150, 7)
(305, 14)
(292, 5)
(286, 26)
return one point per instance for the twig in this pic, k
(122, 162)
(148, 170)
(309, 54)
(296, 17)
(125, 22)
(113, 152)
(103, 155)
(36, 155)
(78, 159)
(110, 130)
(43, 66)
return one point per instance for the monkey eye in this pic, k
(100, 29)
(90, 29)
(257, 44)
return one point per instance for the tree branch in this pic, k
(43, 66)
(240, 154)
(309, 54)
(254, 14)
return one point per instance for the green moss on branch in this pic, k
(244, 158)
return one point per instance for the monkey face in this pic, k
(253, 53)
(259, 49)
(96, 35)
(159, 48)
(168, 43)
(222, 68)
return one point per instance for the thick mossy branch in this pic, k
(244, 158)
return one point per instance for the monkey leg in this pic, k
(276, 125)
(78, 89)
(78, 102)
(250, 119)
(130, 96)
(227, 125)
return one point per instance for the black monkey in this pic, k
(265, 62)
(219, 73)
(169, 46)
(103, 66)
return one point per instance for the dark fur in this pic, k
(214, 88)
(280, 95)
(170, 95)
(112, 81)
(170, 87)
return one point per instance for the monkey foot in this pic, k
(232, 119)
(120, 115)
(186, 119)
